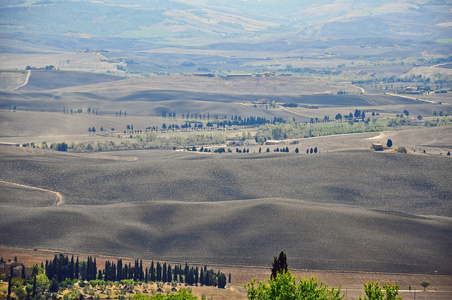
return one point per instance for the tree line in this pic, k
(62, 268)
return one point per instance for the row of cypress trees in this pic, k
(62, 267)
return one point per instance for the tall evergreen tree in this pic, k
(152, 272)
(279, 265)
(197, 275)
(71, 268)
(119, 270)
(164, 273)
(159, 272)
(76, 270)
(141, 270)
(168, 274)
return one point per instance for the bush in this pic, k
(284, 286)
(374, 292)
(401, 149)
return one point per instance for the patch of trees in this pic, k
(79, 111)
(61, 268)
(249, 121)
(290, 105)
(158, 272)
(48, 68)
(286, 149)
(120, 113)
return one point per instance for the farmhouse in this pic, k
(377, 146)
(262, 101)
(272, 142)
(14, 266)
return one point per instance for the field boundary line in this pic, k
(26, 80)
(412, 98)
(57, 194)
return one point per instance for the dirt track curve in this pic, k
(60, 198)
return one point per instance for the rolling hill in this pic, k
(327, 211)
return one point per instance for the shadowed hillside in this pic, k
(245, 232)
(345, 210)
(361, 178)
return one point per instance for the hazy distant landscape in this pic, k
(222, 133)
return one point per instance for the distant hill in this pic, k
(218, 19)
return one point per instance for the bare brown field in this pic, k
(343, 209)
(350, 282)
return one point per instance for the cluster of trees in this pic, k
(120, 113)
(249, 121)
(62, 268)
(290, 105)
(158, 272)
(48, 68)
(435, 113)
(78, 111)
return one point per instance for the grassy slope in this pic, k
(329, 211)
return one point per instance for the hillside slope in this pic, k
(245, 232)
(356, 210)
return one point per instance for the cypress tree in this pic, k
(141, 270)
(164, 273)
(135, 273)
(169, 275)
(107, 270)
(71, 268)
(152, 272)
(76, 271)
(119, 270)
(88, 269)
(159, 272)
(279, 265)
(186, 270)
(94, 269)
(113, 272)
